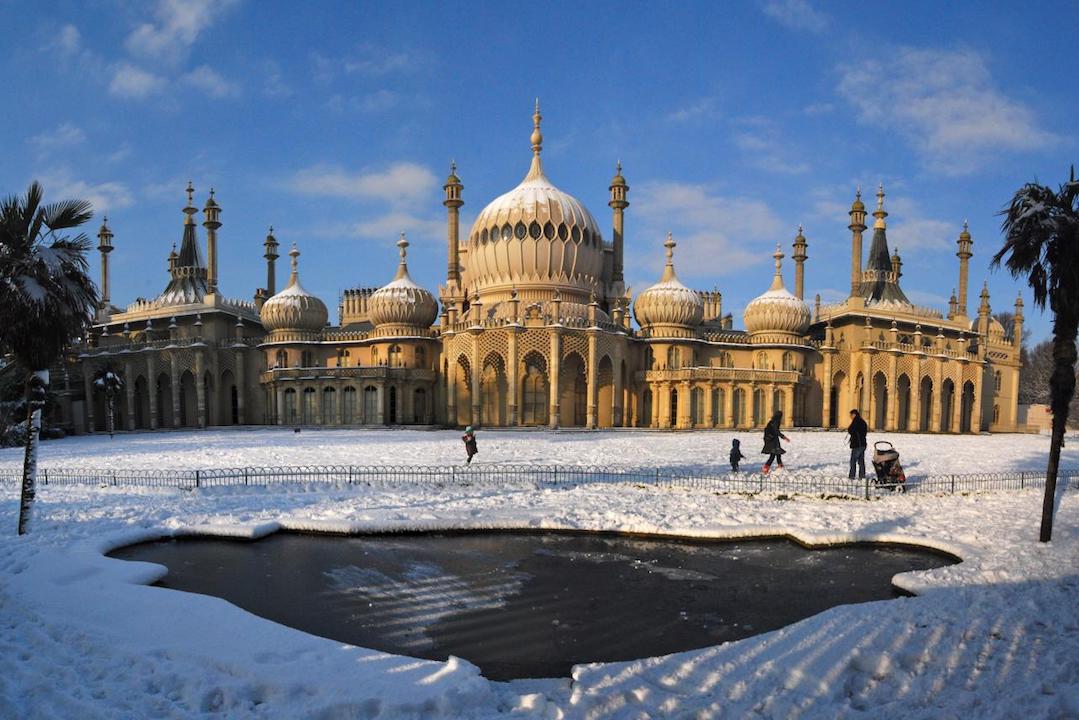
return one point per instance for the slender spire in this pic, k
(294, 253)
(668, 269)
(536, 170)
(777, 280)
(879, 213)
(190, 209)
(402, 249)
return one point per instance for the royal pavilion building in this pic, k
(534, 326)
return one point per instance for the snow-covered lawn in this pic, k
(82, 636)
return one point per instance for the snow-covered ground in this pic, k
(81, 635)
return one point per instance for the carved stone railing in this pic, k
(371, 372)
(720, 374)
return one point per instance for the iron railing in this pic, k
(542, 476)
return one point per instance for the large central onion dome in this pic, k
(777, 314)
(294, 310)
(402, 306)
(669, 308)
(536, 238)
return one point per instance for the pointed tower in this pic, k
(212, 211)
(104, 246)
(618, 203)
(800, 257)
(453, 203)
(964, 256)
(1017, 330)
(856, 227)
(897, 265)
(879, 282)
(188, 274)
(270, 245)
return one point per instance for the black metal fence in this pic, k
(542, 476)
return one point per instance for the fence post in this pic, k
(113, 477)
(197, 480)
(866, 487)
(953, 484)
(44, 476)
(1022, 480)
(453, 474)
(245, 476)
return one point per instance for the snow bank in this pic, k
(996, 636)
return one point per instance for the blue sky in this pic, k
(734, 121)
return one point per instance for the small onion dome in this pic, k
(857, 205)
(669, 308)
(402, 302)
(618, 179)
(777, 312)
(294, 309)
(997, 333)
(452, 178)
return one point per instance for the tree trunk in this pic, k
(33, 427)
(1062, 387)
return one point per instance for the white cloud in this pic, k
(945, 103)
(374, 61)
(713, 231)
(104, 196)
(68, 41)
(703, 109)
(210, 82)
(764, 146)
(399, 183)
(273, 84)
(796, 15)
(819, 108)
(65, 135)
(392, 224)
(178, 25)
(909, 229)
(133, 82)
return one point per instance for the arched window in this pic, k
(421, 357)
(281, 359)
(374, 355)
(348, 406)
(762, 360)
(307, 415)
(395, 356)
(996, 381)
(393, 405)
(696, 406)
(329, 406)
(288, 413)
(674, 358)
(759, 408)
(726, 360)
(307, 359)
(370, 404)
(419, 405)
(788, 360)
(534, 411)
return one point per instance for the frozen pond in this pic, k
(530, 604)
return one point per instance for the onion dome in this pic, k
(777, 314)
(618, 180)
(857, 205)
(669, 308)
(402, 305)
(534, 237)
(294, 310)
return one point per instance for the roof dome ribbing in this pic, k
(294, 309)
(777, 311)
(402, 302)
(669, 308)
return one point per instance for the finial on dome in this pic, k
(537, 136)
(879, 213)
(294, 253)
(670, 245)
(190, 209)
(778, 255)
(453, 167)
(618, 167)
(402, 244)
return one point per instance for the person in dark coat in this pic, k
(736, 454)
(857, 431)
(772, 447)
(470, 443)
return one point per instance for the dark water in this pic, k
(526, 604)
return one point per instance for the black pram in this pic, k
(886, 463)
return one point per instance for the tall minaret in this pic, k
(212, 223)
(271, 256)
(104, 245)
(856, 227)
(618, 204)
(1017, 331)
(964, 256)
(800, 257)
(453, 203)
(897, 265)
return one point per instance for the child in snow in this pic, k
(470, 443)
(772, 447)
(736, 454)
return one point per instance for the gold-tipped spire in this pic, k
(879, 213)
(294, 254)
(668, 269)
(777, 279)
(537, 135)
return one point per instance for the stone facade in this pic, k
(533, 328)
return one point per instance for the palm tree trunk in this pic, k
(34, 406)
(110, 418)
(1062, 387)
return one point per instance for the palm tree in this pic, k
(110, 384)
(1041, 242)
(47, 299)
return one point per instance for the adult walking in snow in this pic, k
(857, 431)
(772, 447)
(470, 444)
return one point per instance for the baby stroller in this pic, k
(886, 463)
